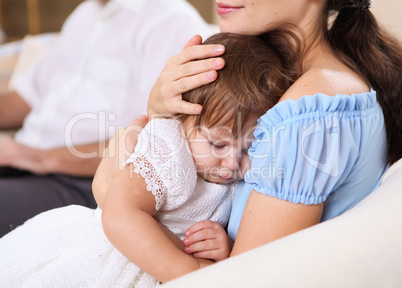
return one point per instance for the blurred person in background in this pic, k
(96, 78)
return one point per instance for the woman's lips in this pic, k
(226, 9)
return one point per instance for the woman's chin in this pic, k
(226, 27)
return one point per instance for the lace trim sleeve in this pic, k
(155, 185)
(162, 157)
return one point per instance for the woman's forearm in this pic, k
(266, 219)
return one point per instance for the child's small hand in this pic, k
(207, 239)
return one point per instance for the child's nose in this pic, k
(231, 162)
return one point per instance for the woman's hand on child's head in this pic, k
(189, 69)
(120, 147)
(207, 239)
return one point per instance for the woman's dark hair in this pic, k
(257, 72)
(376, 56)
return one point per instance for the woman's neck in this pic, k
(310, 33)
(313, 52)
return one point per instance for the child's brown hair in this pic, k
(256, 74)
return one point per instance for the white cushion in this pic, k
(32, 48)
(360, 248)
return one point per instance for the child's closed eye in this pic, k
(217, 145)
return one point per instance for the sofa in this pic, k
(359, 248)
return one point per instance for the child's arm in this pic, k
(120, 148)
(207, 239)
(128, 224)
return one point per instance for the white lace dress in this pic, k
(66, 247)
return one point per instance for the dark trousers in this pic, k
(24, 195)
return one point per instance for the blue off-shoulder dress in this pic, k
(317, 149)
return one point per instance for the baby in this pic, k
(183, 170)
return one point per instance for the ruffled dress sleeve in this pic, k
(162, 157)
(306, 149)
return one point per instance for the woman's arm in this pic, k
(128, 223)
(266, 219)
(183, 72)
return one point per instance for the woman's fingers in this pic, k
(195, 40)
(193, 67)
(196, 52)
(184, 83)
(191, 82)
(183, 107)
(174, 104)
(197, 67)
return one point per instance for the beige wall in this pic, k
(388, 13)
(206, 9)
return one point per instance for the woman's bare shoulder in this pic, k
(327, 79)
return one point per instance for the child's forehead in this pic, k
(226, 132)
(224, 127)
(217, 131)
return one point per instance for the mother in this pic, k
(325, 146)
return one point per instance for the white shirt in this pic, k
(163, 158)
(98, 76)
